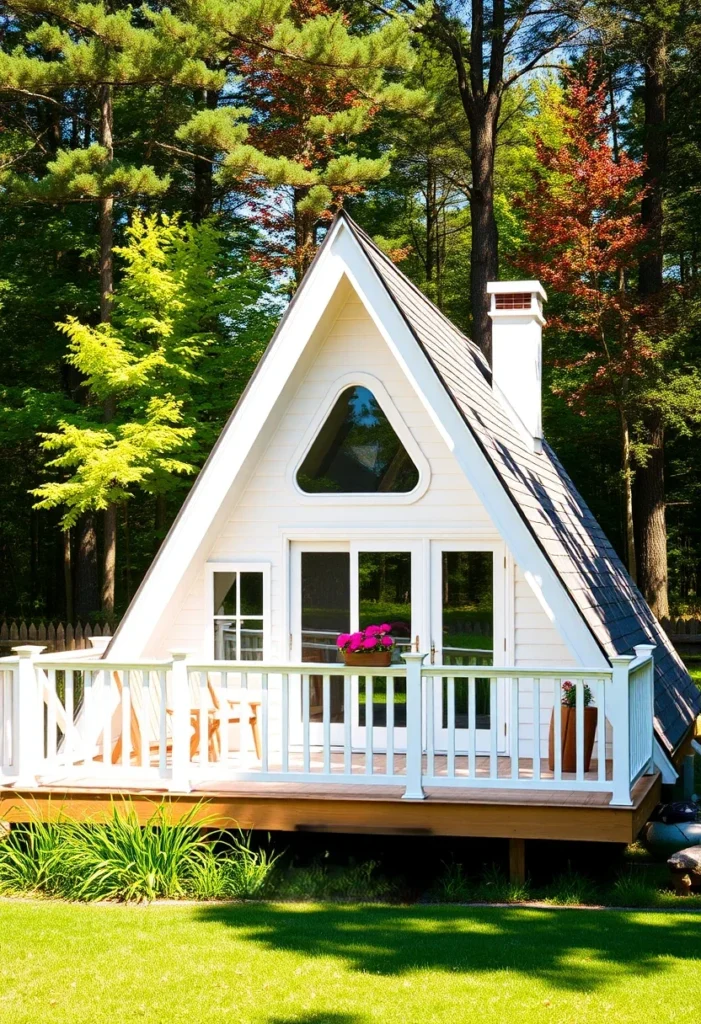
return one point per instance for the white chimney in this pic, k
(517, 352)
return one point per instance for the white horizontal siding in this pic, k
(269, 505)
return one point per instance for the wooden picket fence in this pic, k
(683, 630)
(55, 636)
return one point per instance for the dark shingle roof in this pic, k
(567, 532)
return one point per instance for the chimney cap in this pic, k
(501, 287)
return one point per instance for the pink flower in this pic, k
(342, 640)
(369, 642)
(385, 627)
(355, 641)
(373, 630)
(387, 641)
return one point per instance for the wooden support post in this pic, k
(517, 861)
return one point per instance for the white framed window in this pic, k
(238, 600)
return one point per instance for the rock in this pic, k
(663, 840)
(685, 866)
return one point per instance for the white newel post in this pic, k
(618, 710)
(645, 651)
(180, 774)
(29, 737)
(414, 739)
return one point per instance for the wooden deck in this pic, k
(355, 807)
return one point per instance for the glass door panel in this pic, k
(464, 628)
(384, 596)
(325, 612)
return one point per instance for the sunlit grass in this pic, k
(311, 964)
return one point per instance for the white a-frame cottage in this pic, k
(378, 471)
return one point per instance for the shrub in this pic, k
(570, 889)
(452, 886)
(319, 881)
(494, 887)
(632, 890)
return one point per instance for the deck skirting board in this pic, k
(367, 809)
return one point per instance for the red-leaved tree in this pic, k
(583, 240)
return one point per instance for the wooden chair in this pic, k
(229, 709)
(226, 709)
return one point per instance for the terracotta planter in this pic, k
(368, 659)
(569, 738)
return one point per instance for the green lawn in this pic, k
(313, 964)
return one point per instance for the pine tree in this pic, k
(287, 137)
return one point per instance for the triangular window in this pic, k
(357, 451)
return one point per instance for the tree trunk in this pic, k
(87, 598)
(106, 298)
(203, 203)
(650, 518)
(484, 256)
(650, 493)
(67, 574)
(631, 561)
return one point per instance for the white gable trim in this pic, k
(341, 254)
(397, 423)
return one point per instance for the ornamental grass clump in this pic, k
(121, 859)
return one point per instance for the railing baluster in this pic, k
(514, 729)
(51, 725)
(493, 730)
(579, 718)
(369, 724)
(306, 686)
(326, 720)
(389, 745)
(69, 706)
(601, 729)
(472, 726)
(107, 712)
(285, 724)
(89, 716)
(126, 717)
(145, 719)
(204, 718)
(536, 730)
(347, 727)
(557, 732)
(244, 727)
(450, 682)
(431, 725)
(265, 720)
(162, 724)
(244, 718)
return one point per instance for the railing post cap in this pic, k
(180, 653)
(413, 656)
(622, 659)
(646, 648)
(28, 650)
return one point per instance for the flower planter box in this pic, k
(368, 659)
(568, 724)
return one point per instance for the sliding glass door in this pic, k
(340, 588)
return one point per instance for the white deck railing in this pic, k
(80, 720)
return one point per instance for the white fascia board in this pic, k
(227, 459)
(547, 586)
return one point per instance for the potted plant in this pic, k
(372, 646)
(568, 720)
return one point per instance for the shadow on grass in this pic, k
(575, 950)
(319, 1018)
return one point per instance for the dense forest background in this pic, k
(167, 172)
